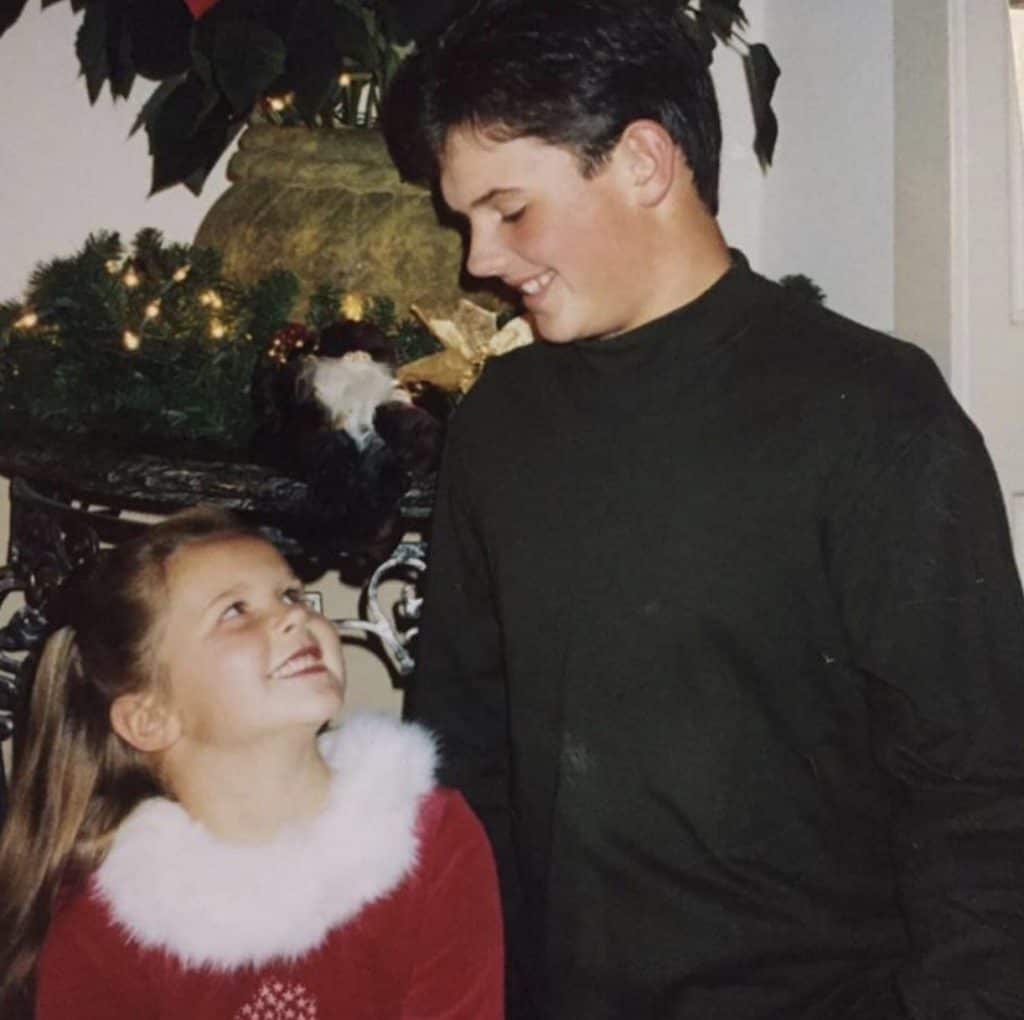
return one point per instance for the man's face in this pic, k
(570, 245)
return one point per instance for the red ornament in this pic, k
(199, 7)
(292, 340)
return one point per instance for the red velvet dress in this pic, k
(427, 947)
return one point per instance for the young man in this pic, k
(723, 635)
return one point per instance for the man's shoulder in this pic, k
(506, 387)
(842, 356)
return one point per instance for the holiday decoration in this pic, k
(332, 413)
(150, 345)
(469, 338)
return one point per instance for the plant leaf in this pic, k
(155, 101)
(91, 48)
(762, 74)
(121, 64)
(187, 136)
(351, 36)
(314, 60)
(723, 17)
(10, 11)
(247, 59)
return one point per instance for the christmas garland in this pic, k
(150, 345)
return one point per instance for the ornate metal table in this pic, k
(70, 497)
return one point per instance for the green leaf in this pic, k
(351, 35)
(91, 48)
(187, 136)
(157, 98)
(121, 65)
(314, 61)
(247, 59)
(723, 17)
(11, 10)
(762, 74)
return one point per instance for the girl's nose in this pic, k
(293, 616)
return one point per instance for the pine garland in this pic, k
(150, 345)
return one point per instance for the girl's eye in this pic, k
(233, 611)
(294, 596)
(513, 217)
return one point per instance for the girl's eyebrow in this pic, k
(235, 589)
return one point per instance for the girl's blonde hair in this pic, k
(74, 779)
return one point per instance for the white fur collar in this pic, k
(174, 886)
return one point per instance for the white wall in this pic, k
(826, 206)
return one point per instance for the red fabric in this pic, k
(429, 949)
(199, 7)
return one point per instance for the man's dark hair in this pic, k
(573, 73)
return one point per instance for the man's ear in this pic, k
(143, 720)
(650, 158)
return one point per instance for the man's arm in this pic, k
(933, 606)
(458, 689)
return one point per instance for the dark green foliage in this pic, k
(411, 338)
(71, 372)
(215, 72)
(324, 303)
(64, 365)
(762, 74)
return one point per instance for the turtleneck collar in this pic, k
(668, 351)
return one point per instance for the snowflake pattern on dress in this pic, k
(276, 1000)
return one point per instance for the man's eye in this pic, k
(513, 217)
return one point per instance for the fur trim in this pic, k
(173, 886)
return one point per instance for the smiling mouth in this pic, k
(536, 285)
(301, 663)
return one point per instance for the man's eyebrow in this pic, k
(491, 195)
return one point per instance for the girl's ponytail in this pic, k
(52, 808)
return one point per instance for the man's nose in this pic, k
(486, 256)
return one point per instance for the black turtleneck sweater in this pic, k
(725, 644)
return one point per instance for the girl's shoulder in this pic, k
(86, 958)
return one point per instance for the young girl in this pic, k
(185, 841)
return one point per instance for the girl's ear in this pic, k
(650, 159)
(144, 721)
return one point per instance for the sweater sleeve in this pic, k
(84, 970)
(458, 690)
(933, 608)
(457, 969)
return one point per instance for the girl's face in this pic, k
(243, 656)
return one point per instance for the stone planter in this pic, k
(329, 206)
